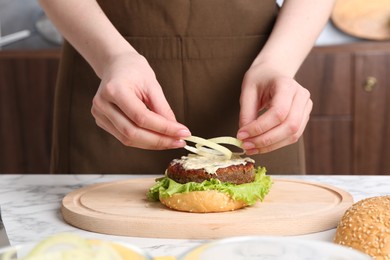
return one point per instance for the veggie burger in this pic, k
(211, 179)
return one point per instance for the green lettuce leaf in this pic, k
(247, 192)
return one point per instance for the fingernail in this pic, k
(242, 135)
(252, 152)
(178, 143)
(248, 145)
(183, 133)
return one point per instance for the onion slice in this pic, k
(214, 144)
(226, 140)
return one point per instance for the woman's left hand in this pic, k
(274, 110)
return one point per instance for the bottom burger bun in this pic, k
(365, 226)
(202, 202)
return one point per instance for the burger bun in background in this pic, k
(365, 226)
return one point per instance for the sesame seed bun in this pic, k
(202, 202)
(365, 226)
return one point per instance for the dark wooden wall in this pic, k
(27, 80)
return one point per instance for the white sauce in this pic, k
(210, 163)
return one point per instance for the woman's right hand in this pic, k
(129, 103)
(131, 106)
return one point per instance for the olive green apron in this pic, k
(200, 51)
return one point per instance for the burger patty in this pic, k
(236, 174)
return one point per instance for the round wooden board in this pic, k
(293, 207)
(362, 18)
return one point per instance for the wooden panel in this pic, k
(328, 78)
(328, 144)
(327, 74)
(120, 208)
(372, 114)
(27, 81)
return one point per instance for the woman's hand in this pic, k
(274, 110)
(269, 83)
(131, 106)
(129, 103)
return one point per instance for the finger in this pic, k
(278, 145)
(289, 139)
(248, 105)
(139, 138)
(103, 122)
(275, 115)
(300, 109)
(159, 104)
(140, 115)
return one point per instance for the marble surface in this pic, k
(30, 206)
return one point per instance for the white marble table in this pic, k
(30, 206)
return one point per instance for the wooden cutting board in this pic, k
(363, 18)
(293, 207)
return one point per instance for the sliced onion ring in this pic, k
(226, 140)
(204, 142)
(204, 152)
